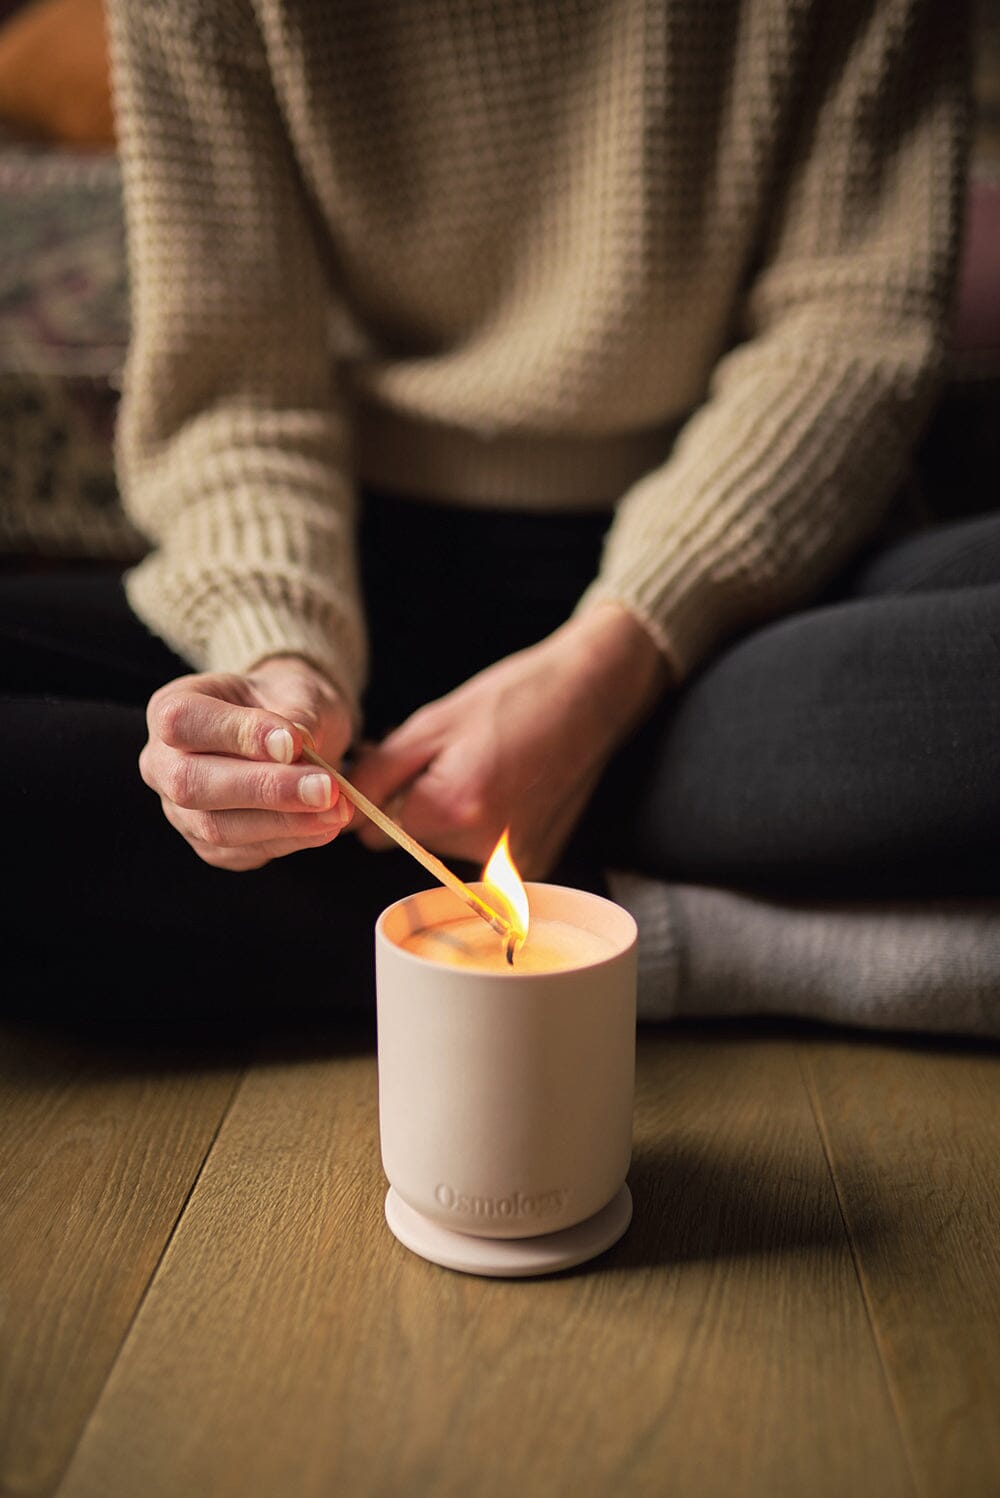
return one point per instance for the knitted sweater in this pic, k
(686, 260)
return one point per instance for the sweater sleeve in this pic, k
(809, 420)
(232, 444)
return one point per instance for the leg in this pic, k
(919, 964)
(864, 733)
(964, 555)
(851, 748)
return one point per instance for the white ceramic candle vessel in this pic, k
(505, 1093)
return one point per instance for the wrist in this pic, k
(305, 670)
(296, 686)
(618, 661)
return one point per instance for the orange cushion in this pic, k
(54, 73)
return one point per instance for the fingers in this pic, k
(200, 719)
(445, 809)
(385, 774)
(253, 856)
(384, 769)
(222, 765)
(242, 839)
(303, 696)
(450, 805)
(462, 799)
(213, 782)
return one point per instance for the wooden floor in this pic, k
(199, 1296)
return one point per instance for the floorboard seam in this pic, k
(234, 1092)
(806, 1073)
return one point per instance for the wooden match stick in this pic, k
(431, 863)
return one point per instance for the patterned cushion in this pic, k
(64, 329)
(63, 333)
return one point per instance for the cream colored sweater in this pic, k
(689, 260)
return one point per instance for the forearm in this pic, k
(607, 655)
(232, 444)
(809, 421)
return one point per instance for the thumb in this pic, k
(331, 728)
(310, 702)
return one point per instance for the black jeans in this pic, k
(851, 749)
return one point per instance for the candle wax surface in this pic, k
(551, 946)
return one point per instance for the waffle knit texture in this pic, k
(687, 260)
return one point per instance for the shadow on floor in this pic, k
(693, 1206)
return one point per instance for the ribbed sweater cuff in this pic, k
(683, 621)
(768, 488)
(236, 637)
(244, 636)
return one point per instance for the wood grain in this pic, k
(289, 1345)
(98, 1152)
(914, 1140)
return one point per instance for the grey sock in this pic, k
(652, 904)
(913, 965)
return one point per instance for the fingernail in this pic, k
(346, 811)
(280, 745)
(315, 790)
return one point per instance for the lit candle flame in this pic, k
(506, 892)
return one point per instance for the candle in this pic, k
(505, 1093)
(552, 946)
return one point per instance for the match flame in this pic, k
(504, 888)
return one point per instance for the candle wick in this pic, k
(509, 950)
